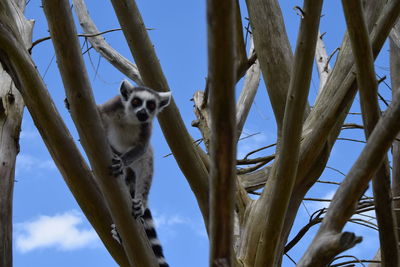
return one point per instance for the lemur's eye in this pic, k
(151, 105)
(136, 102)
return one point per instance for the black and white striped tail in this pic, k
(152, 236)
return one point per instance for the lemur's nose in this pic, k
(142, 115)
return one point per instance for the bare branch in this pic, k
(277, 191)
(395, 80)
(256, 160)
(241, 61)
(55, 134)
(266, 20)
(10, 123)
(325, 246)
(314, 220)
(171, 122)
(203, 121)
(222, 78)
(92, 136)
(368, 88)
(102, 47)
(323, 66)
(254, 167)
(248, 93)
(352, 126)
(255, 180)
(11, 110)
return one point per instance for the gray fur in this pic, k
(127, 121)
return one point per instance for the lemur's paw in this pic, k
(137, 209)
(117, 166)
(115, 234)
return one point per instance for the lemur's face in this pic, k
(142, 104)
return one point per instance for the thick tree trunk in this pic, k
(11, 110)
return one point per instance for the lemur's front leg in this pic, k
(117, 165)
(134, 154)
(120, 162)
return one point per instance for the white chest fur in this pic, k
(123, 136)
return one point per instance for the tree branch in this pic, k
(274, 54)
(222, 43)
(18, 63)
(170, 119)
(368, 88)
(92, 136)
(248, 93)
(101, 46)
(277, 192)
(322, 62)
(11, 110)
(395, 80)
(325, 246)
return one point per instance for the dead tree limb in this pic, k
(222, 43)
(277, 192)
(11, 110)
(92, 136)
(249, 90)
(79, 178)
(171, 122)
(330, 240)
(326, 118)
(395, 79)
(322, 62)
(368, 88)
(274, 54)
(102, 47)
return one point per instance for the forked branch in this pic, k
(346, 198)
(92, 136)
(171, 122)
(368, 88)
(79, 178)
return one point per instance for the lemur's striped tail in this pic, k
(152, 236)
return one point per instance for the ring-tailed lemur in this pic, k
(127, 120)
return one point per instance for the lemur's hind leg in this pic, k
(115, 234)
(137, 204)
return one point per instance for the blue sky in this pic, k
(42, 198)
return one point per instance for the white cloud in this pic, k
(26, 162)
(60, 231)
(163, 220)
(170, 225)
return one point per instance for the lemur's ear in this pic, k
(165, 99)
(125, 90)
